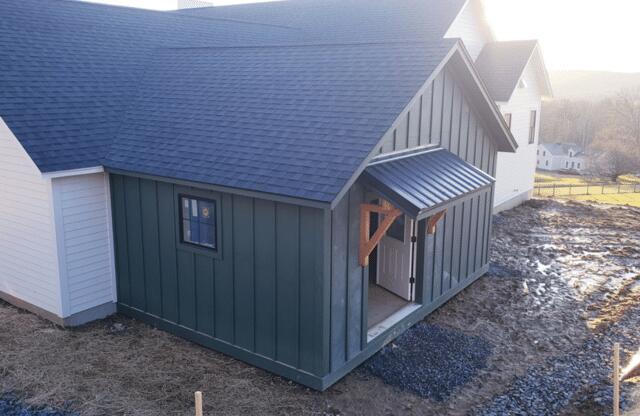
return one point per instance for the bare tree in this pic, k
(614, 155)
(625, 110)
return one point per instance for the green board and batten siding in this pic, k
(447, 261)
(260, 299)
(286, 292)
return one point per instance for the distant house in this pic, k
(562, 157)
(293, 184)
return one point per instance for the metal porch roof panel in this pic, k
(425, 181)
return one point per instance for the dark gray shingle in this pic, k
(501, 65)
(291, 120)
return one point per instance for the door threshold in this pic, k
(396, 317)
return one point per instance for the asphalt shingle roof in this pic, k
(352, 20)
(289, 120)
(286, 98)
(501, 65)
(67, 69)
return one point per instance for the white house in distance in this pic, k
(560, 157)
(515, 75)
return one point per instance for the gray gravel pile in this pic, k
(11, 405)
(430, 361)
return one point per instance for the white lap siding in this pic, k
(28, 255)
(516, 171)
(83, 217)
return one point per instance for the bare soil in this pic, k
(562, 273)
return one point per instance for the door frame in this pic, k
(412, 306)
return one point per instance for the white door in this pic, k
(395, 259)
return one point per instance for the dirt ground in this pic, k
(562, 274)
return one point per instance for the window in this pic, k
(570, 154)
(566, 164)
(538, 152)
(507, 119)
(573, 165)
(546, 163)
(198, 222)
(544, 153)
(532, 126)
(578, 165)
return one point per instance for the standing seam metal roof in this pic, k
(426, 181)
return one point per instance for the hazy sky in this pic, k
(575, 34)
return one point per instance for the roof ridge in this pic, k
(449, 41)
(93, 3)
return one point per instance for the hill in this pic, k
(591, 85)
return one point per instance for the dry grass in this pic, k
(139, 371)
(632, 200)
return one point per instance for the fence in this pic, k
(594, 188)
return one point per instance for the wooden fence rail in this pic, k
(589, 188)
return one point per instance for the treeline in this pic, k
(609, 129)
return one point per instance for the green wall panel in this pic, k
(262, 292)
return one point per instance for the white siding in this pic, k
(516, 171)
(28, 254)
(83, 217)
(472, 28)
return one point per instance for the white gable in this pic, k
(471, 26)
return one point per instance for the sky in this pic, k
(574, 34)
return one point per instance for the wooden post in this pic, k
(554, 190)
(616, 379)
(198, 403)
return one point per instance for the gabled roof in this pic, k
(349, 20)
(289, 120)
(501, 65)
(229, 103)
(562, 149)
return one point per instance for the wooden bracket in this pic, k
(367, 244)
(433, 221)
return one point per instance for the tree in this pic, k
(625, 111)
(614, 154)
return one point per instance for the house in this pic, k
(515, 75)
(290, 196)
(562, 157)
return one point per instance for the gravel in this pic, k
(430, 361)
(578, 266)
(11, 405)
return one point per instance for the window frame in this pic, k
(206, 196)
(533, 124)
